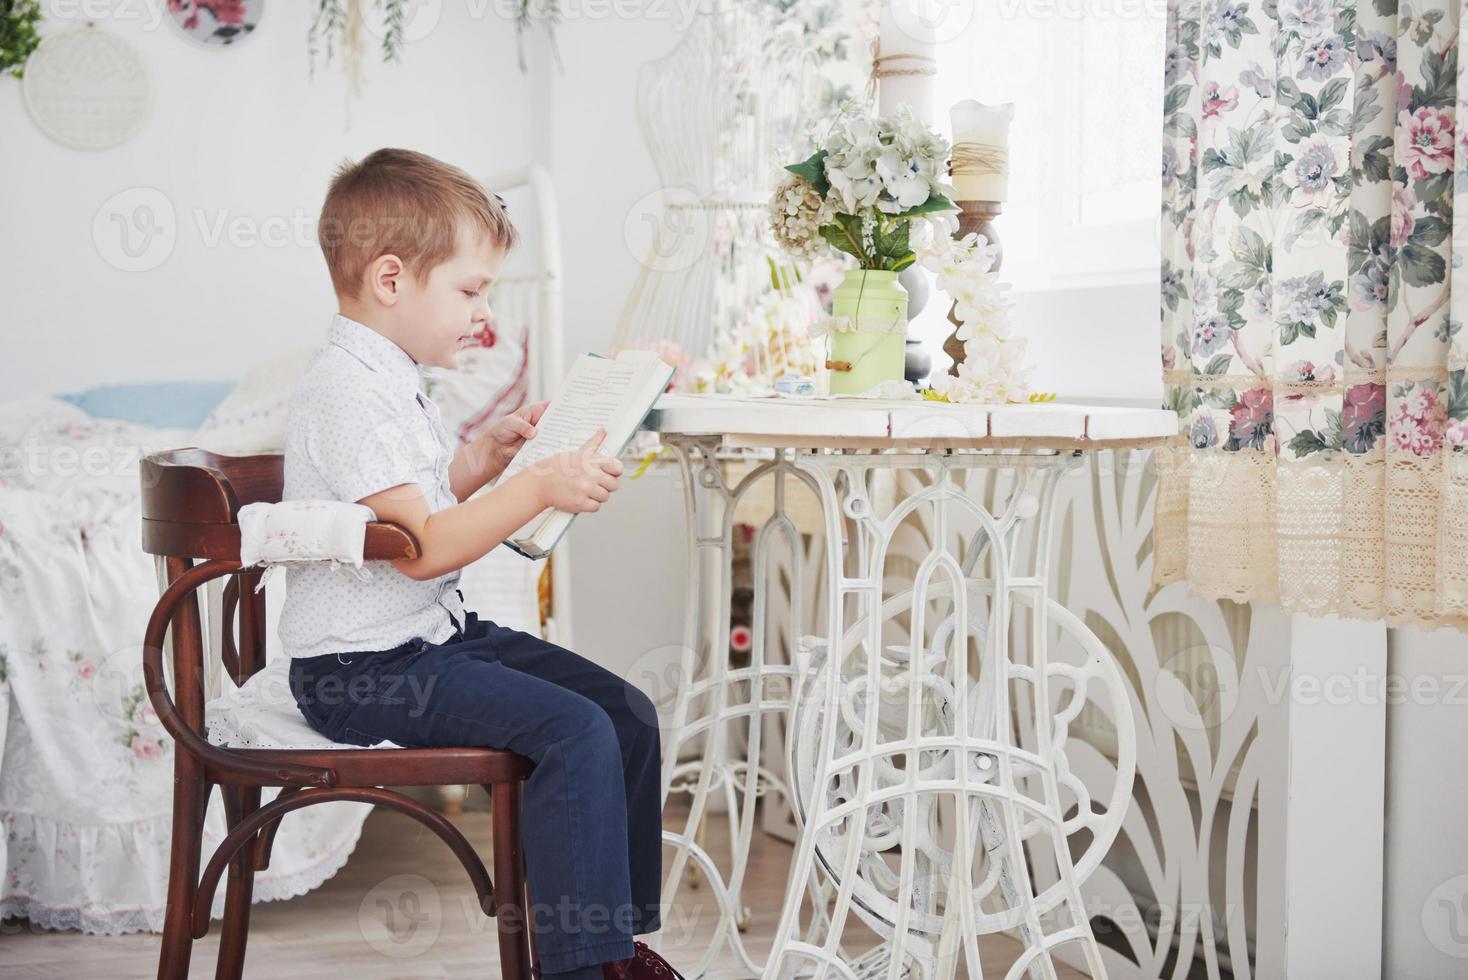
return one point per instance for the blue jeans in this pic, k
(592, 818)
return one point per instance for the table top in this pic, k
(897, 423)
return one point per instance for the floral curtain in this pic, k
(1313, 298)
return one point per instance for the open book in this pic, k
(614, 393)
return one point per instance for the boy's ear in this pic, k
(384, 279)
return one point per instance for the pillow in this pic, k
(252, 418)
(492, 379)
(164, 405)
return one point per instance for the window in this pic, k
(1086, 142)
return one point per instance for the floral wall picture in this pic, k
(215, 21)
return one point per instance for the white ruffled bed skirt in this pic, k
(111, 879)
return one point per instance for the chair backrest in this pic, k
(191, 499)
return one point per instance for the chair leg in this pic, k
(510, 907)
(190, 797)
(239, 892)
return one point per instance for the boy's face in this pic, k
(449, 304)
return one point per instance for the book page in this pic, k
(593, 396)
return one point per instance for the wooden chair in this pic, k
(190, 501)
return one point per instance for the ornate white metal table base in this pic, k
(923, 803)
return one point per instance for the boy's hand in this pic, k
(578, 481)
(504, 439)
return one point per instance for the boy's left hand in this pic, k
(504, 439)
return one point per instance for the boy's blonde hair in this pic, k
(406, 204)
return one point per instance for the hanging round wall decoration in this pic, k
(215, 22)
(87, 89)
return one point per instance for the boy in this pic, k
(412, 245)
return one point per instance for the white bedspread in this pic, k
(85, 769)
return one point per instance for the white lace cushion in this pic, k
(262, 714)
(303, 530)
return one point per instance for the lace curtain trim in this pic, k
(1364, 537)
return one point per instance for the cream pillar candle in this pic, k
(980, 168)
(906, 64)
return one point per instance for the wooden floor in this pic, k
(402, 908)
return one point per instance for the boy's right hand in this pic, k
(578, 481)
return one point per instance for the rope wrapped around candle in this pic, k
(979, 159)
(926, 65)
(930, 68)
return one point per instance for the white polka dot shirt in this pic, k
(358, 424)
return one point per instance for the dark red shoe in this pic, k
(644, 965)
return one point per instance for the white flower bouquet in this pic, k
(875, 190)
(860, 191)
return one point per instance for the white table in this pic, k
(919, 819)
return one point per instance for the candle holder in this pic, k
(973, 217)
(979, 169)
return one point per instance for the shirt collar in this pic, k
(375, 351)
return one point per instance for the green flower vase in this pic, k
(876, 305)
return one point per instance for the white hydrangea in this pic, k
(796, 215)
(891, 164)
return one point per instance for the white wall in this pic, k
(1426, 901)
(241, 133)
(627, 561)
(1095, 342)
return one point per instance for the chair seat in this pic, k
(354, 766)
(262, 714)
(260, 720)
